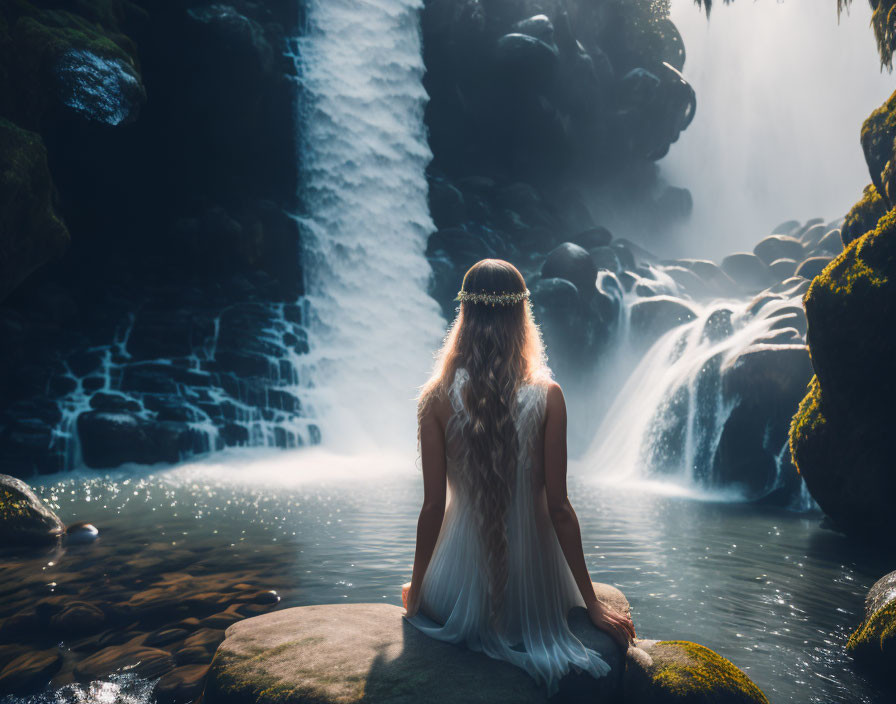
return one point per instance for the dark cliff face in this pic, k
(149, 165)
(149, 266)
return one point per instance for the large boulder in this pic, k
(368, 652)
(571, 262)
(748, 271)
(761, 386)
(653, 317)
(873, 643)
(24, 518)
(841, 436)
(779, 247)
(679, 672)
(109, 439)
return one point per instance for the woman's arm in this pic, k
(432, 451)
(566, 523)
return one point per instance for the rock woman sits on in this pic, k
(499, 560)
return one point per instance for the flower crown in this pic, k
(493, 298)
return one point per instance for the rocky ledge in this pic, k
(368, 652)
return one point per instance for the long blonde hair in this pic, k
(501, 348)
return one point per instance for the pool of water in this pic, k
(767, 588)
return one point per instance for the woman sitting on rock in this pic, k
(501, 566)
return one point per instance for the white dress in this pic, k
(540, 586)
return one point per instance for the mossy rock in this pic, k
(55, 58)
(840, 437)
(368, 653)
(31, 233)
(873, 644)
(681, 672)
(878, 134)
(24, 518)
(864, 215)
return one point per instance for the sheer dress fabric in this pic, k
(540, 586)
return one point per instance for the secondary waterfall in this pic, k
(372, 327)
(668, 420)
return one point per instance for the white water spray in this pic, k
(372, 327)
(782, 91)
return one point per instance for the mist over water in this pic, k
(782, 92)
(372, 326)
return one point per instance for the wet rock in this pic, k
(223, 619)
(266, 597)
(446, 204)
(166, 637)
(625, 254)
(359, 652)
(24, 518)
(748, 271)
(718, 326)
(207, 638)
(812, 267)
(114, 402)
(832, 243)
(783, 268)
(605, 258)
(99, 88)
(873, 643)
(182, 685)
(671, 671)
(81, 533)
(841, 436)
(146, 662)
(193, 655)
(526, 60)
(812, 235)
(763, 385)
(711, 273)
(777, 247)
(688, 281)
(794, 286)
(593, 237)
(787, 228)
(112, 439)
(80, 618)
(653, 317)
(571, 262)
(30, 671)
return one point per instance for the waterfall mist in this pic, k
(782, 91)
(372, 327)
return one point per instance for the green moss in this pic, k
(874, 642)
(691, 670)
(864, 215)
(840, 435)
(13, 505)
(877, 137)
(32, 39)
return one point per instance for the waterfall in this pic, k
(668, 419)
(365, 221)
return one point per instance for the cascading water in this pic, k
(372, 327)
(707, 406)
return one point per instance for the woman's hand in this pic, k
(410, 599)
(618, 626)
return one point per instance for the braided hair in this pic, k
(500, 347)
